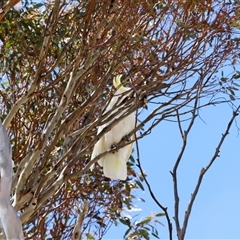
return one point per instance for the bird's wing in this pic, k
(98, 148)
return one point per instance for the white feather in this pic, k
(114, 164)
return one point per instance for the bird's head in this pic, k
(117, 83)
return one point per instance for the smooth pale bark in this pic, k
(10, 222)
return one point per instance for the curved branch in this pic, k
(204, 170)
(184, 135)
(152, 194)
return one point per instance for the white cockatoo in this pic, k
(9, 220)
(115, 163)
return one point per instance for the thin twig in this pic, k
(152, 194)
(184, 135)
(204, 170)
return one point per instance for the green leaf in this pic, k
(236, 76)
(232, 97)
(223, 79)
(158, 222)
(38, 5)
(144, 233)
(146, 221)
(236, 84)
(140, 185)
(132, 159)
(155, 235)
(89, 236)
(234, 88)
(155, 231)
(127, 232)
(125, 221)
(160, 215)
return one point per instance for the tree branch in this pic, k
(76, 234)
(152, 194)
(184, 135)
(7, 7)
(203, 172)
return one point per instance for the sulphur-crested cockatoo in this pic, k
(9, 220)
(114, 163)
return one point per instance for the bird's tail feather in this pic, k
(114, 167)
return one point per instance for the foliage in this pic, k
(58, 59)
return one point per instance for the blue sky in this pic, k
(216, 211)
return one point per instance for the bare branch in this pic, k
(204, 171)
(152, 194)
(174, 172)
(76, 235)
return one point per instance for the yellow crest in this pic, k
(117, 83)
